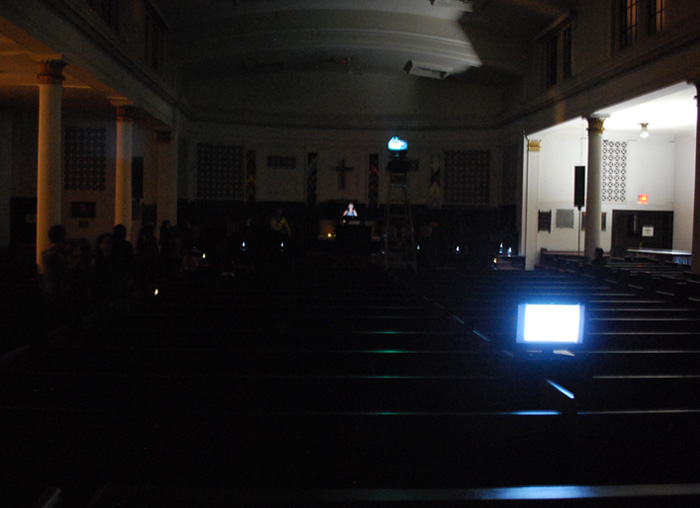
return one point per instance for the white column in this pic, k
(593, 184)
(531, 204)
(166, 201)
(696, 205)
(122, 193)
(48, 189)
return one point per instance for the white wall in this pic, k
(660, 166)
(561, 150)
(651, 170)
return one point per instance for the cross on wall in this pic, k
(342, 169)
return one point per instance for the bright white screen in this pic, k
(552, 323)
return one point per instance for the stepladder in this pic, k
(398, 239)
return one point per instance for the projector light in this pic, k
(397, 145)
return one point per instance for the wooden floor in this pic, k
(319, 382)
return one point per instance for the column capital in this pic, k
(51, 72)
(595, 123)
(533, 145)
(126, 112)
(164, 137)
(125, 108)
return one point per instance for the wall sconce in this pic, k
(644, 133)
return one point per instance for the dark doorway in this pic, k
(645, 230)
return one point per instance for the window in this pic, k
(656, 16)
(629, 17)
(552, 61)
(557, 49)
(108, 10)
(566, 52)
(155, 39)
(638, 19)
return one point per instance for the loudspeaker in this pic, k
(137, 177)
(579, 186)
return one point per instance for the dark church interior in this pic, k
(320, 378)
(277, 347)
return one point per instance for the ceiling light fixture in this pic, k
(644, 133)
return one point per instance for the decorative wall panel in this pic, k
(84, 159)
(467, 177)
(220, 172)
(281, 161)
(311, 178)
(614, 171)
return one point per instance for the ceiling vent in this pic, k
(462, 5)
(427, 70)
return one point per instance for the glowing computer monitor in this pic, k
(554, 325)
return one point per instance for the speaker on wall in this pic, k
(137, 177)
(579, 186)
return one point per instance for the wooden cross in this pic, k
(341, 173)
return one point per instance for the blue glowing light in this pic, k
(550, 323)
(561, 389)
(396, 145)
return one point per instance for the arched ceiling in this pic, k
(480, 40)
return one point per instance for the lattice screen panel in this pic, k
(467, 177)
(311, 178)
(373, 182)
(614, 171)
(220, 172)
(84, 159)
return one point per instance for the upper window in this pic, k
(108, 10)
(638, 19)
(656, 10)
(629, 22)
(155, 39)
(556, 47)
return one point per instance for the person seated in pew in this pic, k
(279, 225)
(599, 260)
